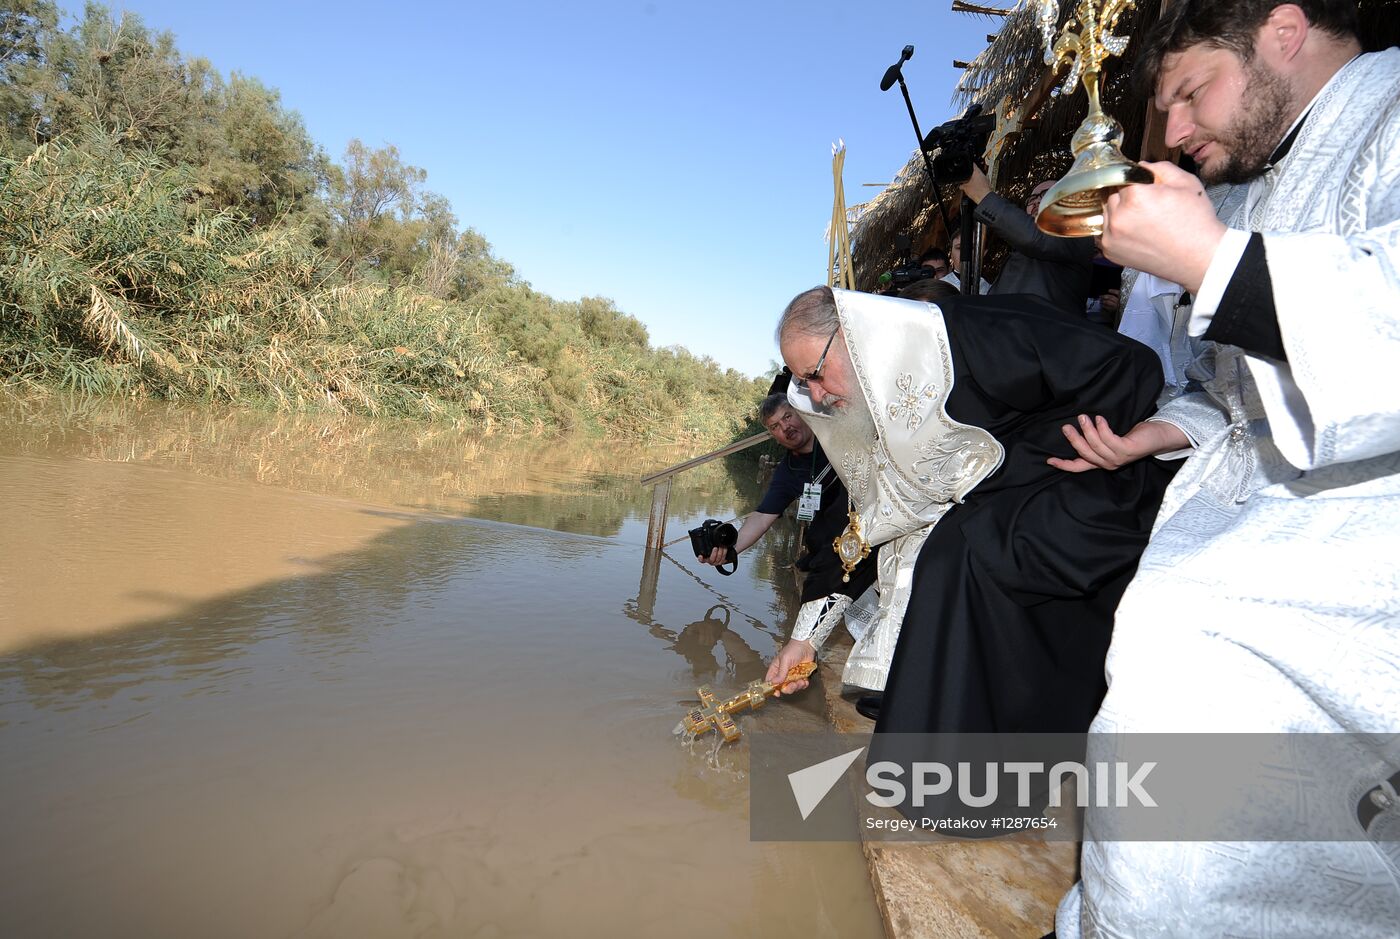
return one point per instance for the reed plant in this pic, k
(117, 277)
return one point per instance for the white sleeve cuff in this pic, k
(817, 618)
(1184, 452)
(1222, 268)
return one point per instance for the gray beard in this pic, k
(1251, 139)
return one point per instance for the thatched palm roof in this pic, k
(1012, 65)
(905, 205)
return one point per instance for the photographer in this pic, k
(1055, 269)
(804, 466)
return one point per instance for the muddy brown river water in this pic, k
(267, 676)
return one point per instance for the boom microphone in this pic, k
(892, 73)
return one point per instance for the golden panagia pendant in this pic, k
(851, 547)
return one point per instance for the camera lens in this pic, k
(725, 535)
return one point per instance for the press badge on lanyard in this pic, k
(810, 501)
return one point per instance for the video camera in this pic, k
(910, 271)
(960, 142)
(907, 274)
(716, 534)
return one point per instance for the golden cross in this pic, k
(1009, 120)
(714, 715)
(1086, 49)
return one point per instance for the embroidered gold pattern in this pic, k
(908, 401)
(951, 460)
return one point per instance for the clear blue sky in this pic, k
(675, 157)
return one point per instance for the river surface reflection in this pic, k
(281, 676)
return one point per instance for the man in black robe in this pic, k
(941, 420)
(1058, 269)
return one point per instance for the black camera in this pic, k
(908, 274)
(959, 143)
(716, 534)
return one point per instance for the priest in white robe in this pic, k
(1269, 597)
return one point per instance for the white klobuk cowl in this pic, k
(903, 460)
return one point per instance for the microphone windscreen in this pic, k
(891, 76)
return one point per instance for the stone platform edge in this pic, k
(955, 889)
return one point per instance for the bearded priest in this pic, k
(1271, 582)
(998, 573)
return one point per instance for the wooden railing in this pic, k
(661, 492)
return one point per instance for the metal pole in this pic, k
(928, 164)
(970, 277)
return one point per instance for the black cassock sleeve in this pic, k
(1022, 370)
(1246, 316)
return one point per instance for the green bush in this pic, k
(166, 232)
(116, 277)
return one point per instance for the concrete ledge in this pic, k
(954, 889)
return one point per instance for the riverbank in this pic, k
(954, 889)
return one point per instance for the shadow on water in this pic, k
(696, 641)
(368, 593)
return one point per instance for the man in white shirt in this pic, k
(955, 256)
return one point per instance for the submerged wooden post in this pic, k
(646, 590)
(656, 525)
